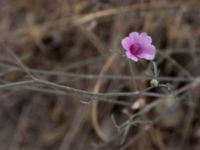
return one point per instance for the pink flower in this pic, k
(139, 46)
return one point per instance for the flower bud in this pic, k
(154, 83)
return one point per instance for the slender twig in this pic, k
(14, 84)
(149, 126)
(175, 63)
(104, 77)
(17, 60)
(74, 90)
(134, 82)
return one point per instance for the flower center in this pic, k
(135, 49)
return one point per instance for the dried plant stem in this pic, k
(183, 70)
(95, 94)
(149, 126)
(97, 76)
(97, 87)
(17, 60)
(132, 74)
(14, 84)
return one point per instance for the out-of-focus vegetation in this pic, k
(65, 84)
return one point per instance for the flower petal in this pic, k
(134, 37)
(145, 39)
(148, 53)
(130, 56)
(125, 43)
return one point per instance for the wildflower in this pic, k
(139, 46)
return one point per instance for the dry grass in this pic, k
(66, 85)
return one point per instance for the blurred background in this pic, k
(76, 43)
